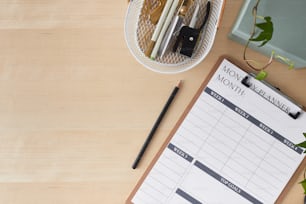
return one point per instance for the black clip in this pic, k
(189, 36)
(245, 82)
(295, 116)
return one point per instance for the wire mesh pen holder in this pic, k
(139, 30)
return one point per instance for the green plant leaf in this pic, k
(261, 75)
(266, 31)
(302, 144)
(303, 183)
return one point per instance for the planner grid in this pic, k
(222, 145)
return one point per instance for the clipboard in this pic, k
(250, 172)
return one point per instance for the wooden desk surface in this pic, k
(75, 106)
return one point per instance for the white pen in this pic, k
(158, 27)
(164, 29)
(194, 18)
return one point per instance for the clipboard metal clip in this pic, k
(246, 82)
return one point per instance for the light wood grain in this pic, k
(75, 106)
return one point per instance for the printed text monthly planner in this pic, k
(234, 145)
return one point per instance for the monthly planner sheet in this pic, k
(234, 144)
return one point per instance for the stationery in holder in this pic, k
(234, 143)
(189, 35)
(148, 41)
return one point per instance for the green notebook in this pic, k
(289, 19)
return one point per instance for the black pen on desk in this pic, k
(156, 124)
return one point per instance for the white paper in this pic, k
(234, 146)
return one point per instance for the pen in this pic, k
(194, 18)
(164, 29)
(156, 124)
(175, 26)
(158, 27)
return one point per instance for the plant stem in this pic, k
(254, 11)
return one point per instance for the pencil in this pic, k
(156, 124)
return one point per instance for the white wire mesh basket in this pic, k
(138, 32)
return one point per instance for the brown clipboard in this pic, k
(293, 179)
